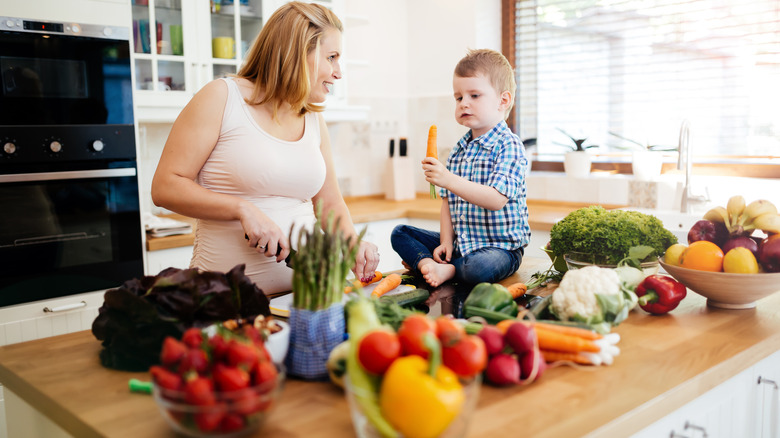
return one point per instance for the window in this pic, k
(639, 68)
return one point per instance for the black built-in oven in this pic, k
(69, 205)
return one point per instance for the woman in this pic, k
(250, 155)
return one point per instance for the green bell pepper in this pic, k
(491, 301)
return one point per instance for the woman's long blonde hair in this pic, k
(276, 63)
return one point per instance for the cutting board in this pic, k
(280, 306)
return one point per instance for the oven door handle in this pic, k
(73, 174)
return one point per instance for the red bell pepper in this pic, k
(659, 294)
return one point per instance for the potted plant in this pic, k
(576, 162)
(646, 163)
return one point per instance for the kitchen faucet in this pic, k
(684, 163)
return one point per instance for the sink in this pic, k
(676, 222)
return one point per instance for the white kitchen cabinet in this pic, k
(738, 407)
(182, 70)
(161, 259)
(767, 397)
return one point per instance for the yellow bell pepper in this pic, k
(421, 398)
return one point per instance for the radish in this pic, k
(503, 369)
(521, 337)
(493, 339)
(527, 364)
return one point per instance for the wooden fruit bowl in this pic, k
(726, 290)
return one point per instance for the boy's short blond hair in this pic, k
(492, 64)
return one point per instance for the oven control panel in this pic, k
(73, 29)
(49, 144)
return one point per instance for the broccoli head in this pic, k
(608, 234)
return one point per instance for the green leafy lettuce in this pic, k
(136, 317)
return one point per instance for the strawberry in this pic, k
(219, 347)
(165, 378)
(229, 378)
(240, 354)
(194, 360)
(232, 423)
(192, 337)
(210, 418)
(263, 373)
(199, 391)
(172, 352)
(247, 402)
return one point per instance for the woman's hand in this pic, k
(366, 261)
(436, 173)
(445, 250)
(263, 233)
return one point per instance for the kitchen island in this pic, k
(665, 363)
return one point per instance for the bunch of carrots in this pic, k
(561, 343)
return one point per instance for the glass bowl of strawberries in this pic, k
(216, 383)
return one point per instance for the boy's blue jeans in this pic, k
(487, 264)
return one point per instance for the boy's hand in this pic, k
(445, 249)
(436, 173)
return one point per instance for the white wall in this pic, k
(106, 12)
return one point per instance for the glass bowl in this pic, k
(577, 260)
(457, 428)
(726, 290)
(236, 413)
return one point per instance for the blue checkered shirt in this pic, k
(496, 159)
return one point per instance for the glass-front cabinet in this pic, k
(180, 45)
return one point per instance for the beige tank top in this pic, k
(279, 177)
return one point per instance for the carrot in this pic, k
(386, 285)
(432, 152)
(503, 325)
(558, 356)
(550, 340)
(517, 289)
(357, 284)
(573, 331)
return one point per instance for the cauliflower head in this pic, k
(575, 298)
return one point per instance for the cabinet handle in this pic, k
(674, 434)
(767, 381)
(689, 425)
(65, 307)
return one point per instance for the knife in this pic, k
(392, 147)
(288, 260)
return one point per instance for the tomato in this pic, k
(377, 350)
(411, 333)
(467, 358)
(448, 330)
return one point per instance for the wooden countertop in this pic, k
(665, 362)
(541, 215)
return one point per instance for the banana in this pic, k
(757, 208)
(735, 207)
(768, 223)
(717, 214)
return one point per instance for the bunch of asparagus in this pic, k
(321, 264)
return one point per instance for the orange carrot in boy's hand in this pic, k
(432, 152)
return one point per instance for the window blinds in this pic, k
(638, 68)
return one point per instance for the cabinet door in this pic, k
(724, 411)
(767, 397)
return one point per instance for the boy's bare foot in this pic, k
(437, 273)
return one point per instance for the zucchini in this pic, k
(407, 299)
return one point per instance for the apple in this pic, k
(769, 254)
(715, 232)
(743, 241)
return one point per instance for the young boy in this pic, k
(484, 217)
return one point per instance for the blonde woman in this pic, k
(250, 155)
